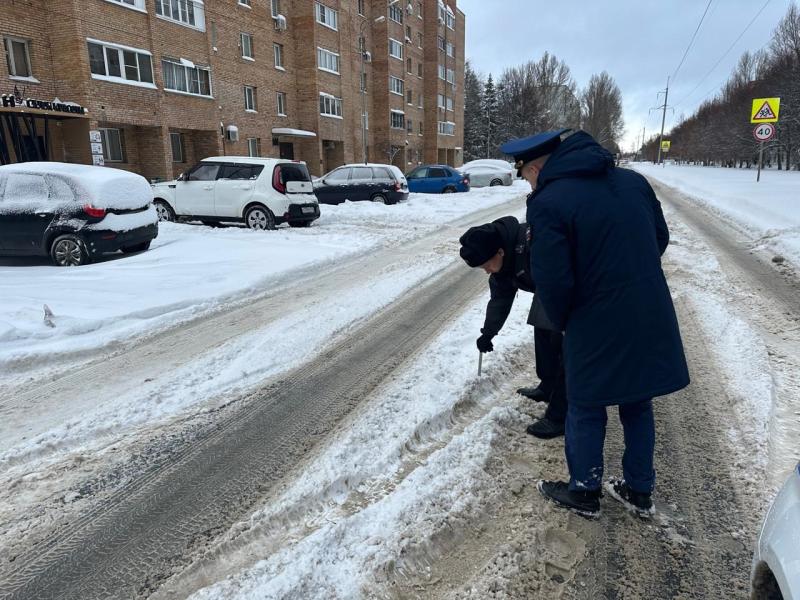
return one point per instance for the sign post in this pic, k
(665, 145)
(764, 112)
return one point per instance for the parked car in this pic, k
(73, 213)
(490, 172)
(776, 562)
(375, 182)
(437, 179)
(259, 192)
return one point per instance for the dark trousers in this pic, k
(586, 434)
(548, 346)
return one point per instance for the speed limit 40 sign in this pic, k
(764, 132)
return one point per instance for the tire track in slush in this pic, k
(126, 547)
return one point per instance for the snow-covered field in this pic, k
(769, 210)
(192, 269)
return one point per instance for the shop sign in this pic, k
(14, 101)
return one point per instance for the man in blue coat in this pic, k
(598, 234)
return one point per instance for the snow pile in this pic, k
(768, 210)
(127, 221)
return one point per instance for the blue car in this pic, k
(437, 179)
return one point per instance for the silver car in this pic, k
(483, 175)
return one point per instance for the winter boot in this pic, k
(534, 393)
(545, 429)
(585, 504)
(638, 503)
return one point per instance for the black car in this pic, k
(378, 183)
(73, 212)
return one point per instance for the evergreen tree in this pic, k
(474, 145)
(490, 115)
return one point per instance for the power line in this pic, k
(721, 58)
(691, 42)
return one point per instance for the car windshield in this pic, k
(294, 172)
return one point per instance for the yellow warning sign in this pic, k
(765, 110)
(665, 144)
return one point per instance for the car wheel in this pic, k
(164, 211)
(449, 190)
(136, 248)
(495, 182)
(259, 217)
(299, 223)
(69, 251)
(379, 198)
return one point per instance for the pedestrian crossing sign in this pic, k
(665, 145)
(765, 110)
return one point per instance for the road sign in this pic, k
(765, 110)
(665, 144)
(764, 132)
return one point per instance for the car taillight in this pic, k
(276, 180)
(97, 213)
(466, 181)
(397, 186)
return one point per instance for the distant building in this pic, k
(167, 82)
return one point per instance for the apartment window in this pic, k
(327, 16)
(275, 8)
(440, 43)
(120, 63)
(18, 57)
(396, 12)
(112, 145)
(450, 19)
(245, 3)
(361, 7)
(447, 128)
(409, 126)
(330, 106)
(409, 66)
(419, 9)
(185, 12)
(450, 104)
(451, 49)
(396, 85)
(419, 69)
(133, 3)
(398, 119)
(408, 33)
(419, 40)
(327, 61)
(409, 96)
(246, 45)
(440, 100)
(183, 76)
(278, 50)
(254, 147)
(442, 73)
(176, 141)
(451, 76)
(419, 128)
(395, 49)
(419, 100)
(281, 98)
(250, 99)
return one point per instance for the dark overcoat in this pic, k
(598, 234)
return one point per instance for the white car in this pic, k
(776, 562)
(260, 192)
(483, 169)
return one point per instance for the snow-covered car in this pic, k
(260, 192)
(487, 175)
(385, 184)
(74, 212)
(776, 561)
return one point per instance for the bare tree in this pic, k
(602, 110)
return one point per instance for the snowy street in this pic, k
(298, 413)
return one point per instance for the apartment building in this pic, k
(152, 86)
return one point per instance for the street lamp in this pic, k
(362, 42)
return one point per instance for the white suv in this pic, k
(260, 192)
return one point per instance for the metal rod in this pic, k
(480, 362)
(760, 159)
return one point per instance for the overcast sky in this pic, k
(639, 43)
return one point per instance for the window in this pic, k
(409, 96)
(120, 64)
(327, 61)
(450, 104)
(330, 106)
(419, 39)
(242, 171)
(185, 12)
(409, 66)
(253, 148)
(395, 49)
(450, 18)
(451, 49)
(204, 171)
(419, 100)
(409, 126)
(440, 100)
(440, 43)
(281, 99)
(245, 3)
(441, 72)
(250, 99)
(451, 76)
(176, 141)
(398, 119)
(408, 34)
(183, 76)
(132, 3)
(112, 145)
(419, 69)
(419, 128)
(362, 173)
(246, 45)
(419, 9)
(396, 86)
(447, 128)
(18, 57)
(278, 50)
(275, 8)
(396, 12)
(361, 7)
(327, 16)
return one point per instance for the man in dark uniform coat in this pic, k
(598, 234)
(502, 249)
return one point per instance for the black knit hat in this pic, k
(479, 244)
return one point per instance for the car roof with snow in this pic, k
(103, 187)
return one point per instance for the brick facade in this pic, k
(56, 35)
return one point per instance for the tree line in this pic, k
(720, 132)
(534, 97)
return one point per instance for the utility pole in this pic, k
(663, 119)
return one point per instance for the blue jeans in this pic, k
(585, 437)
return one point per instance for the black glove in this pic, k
(484, 343)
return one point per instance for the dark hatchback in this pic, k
(73, 213)
(378, 183)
